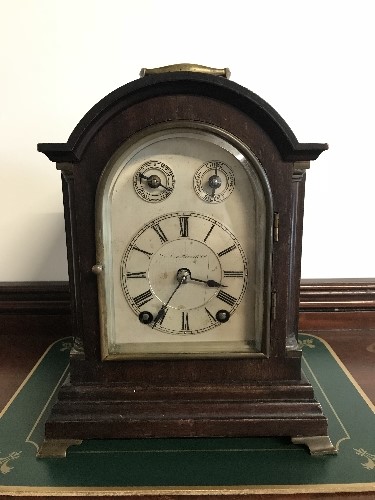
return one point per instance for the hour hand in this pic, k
(209, 283)
(214, 284)
(154, 181)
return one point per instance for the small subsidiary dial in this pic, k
(214, 181)
(154, 181)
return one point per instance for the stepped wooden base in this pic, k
(259, 409)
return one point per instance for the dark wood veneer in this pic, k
(34, 297)
(187, 84)
(337, 295)
(337, 304)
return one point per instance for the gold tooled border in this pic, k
(170, 492)
(189, 491)
(30, 375)
(345, 370)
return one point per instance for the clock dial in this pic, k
(187, 284)
(153, 181)
(214, 181)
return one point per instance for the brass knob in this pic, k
(97, 269)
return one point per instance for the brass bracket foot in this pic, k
(56, 448)
(318, 445)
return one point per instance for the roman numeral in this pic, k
(184, 226)
(160, 233)
(225, 297)
(233, 274)
(142, 251)
(141, 274)
(209, 232)
(208, 198)
(143, 298)
(185, 321)
(227, 250)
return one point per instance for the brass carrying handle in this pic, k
(193, 68)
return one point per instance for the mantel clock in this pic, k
(183, 201)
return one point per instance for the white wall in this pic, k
(312, 61)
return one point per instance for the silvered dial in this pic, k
(182, 275)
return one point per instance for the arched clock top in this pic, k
(190, 84)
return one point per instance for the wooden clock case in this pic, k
(259, 396)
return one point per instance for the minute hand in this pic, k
(163, 310)
(209, 283)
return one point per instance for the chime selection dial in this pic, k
(154, 181)
(214, 181)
